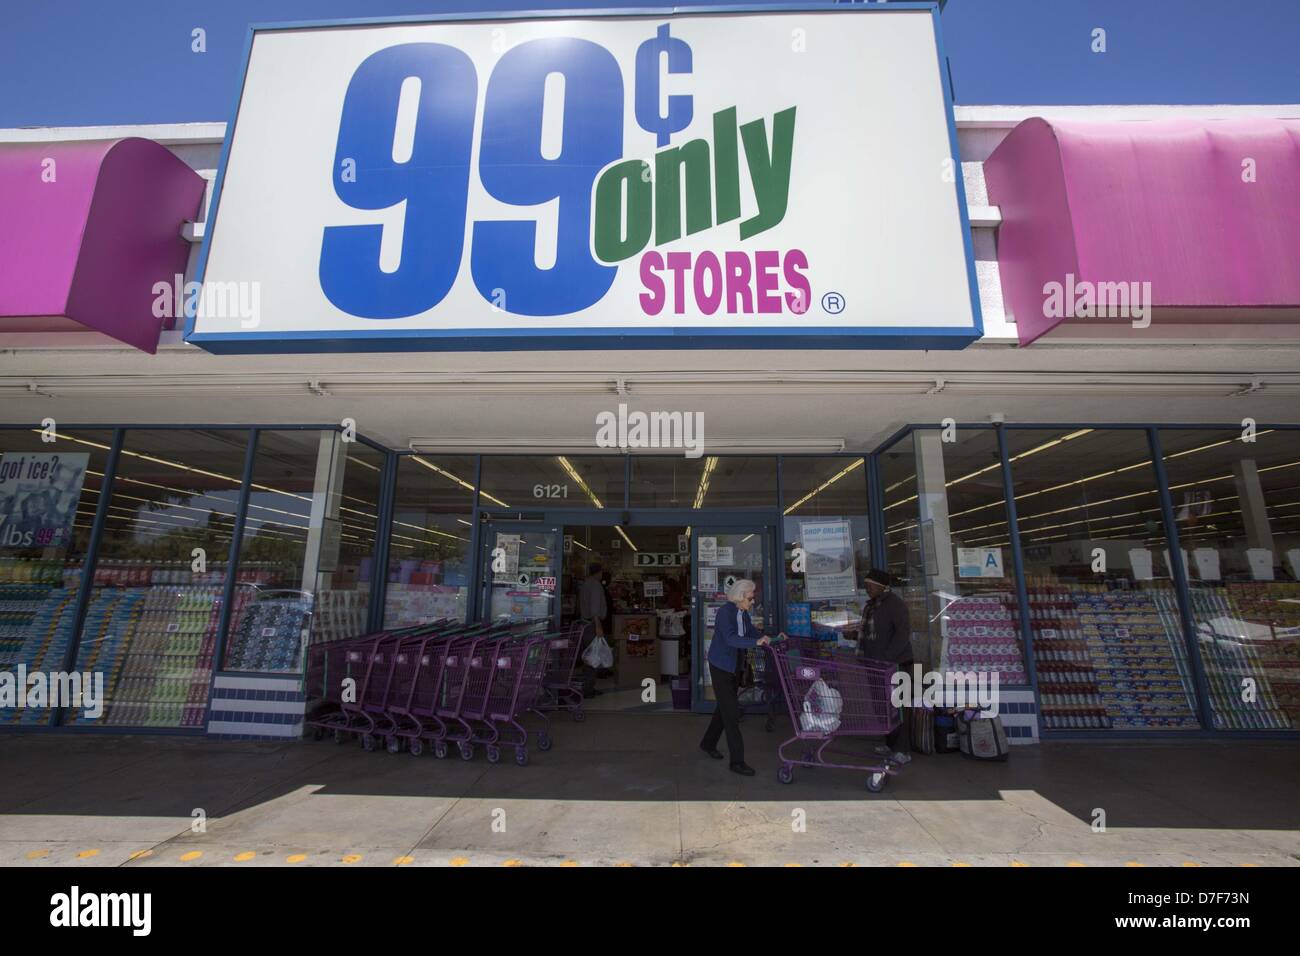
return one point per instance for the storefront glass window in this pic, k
(711, 481)
(825, 517)
(1237, 508)
(1108, 639)
(347, 569)
(276, 578)
(48, 495)
(522, 482)
(949, 550)
(429, 561)
(151, 624)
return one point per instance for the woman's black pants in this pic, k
(725, 716)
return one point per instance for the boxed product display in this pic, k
(981, 634)
(1110, 659)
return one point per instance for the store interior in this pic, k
(646, 579)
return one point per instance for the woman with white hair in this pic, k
(733, 634)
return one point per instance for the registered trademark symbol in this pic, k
(833, 303)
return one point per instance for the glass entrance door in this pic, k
(520, 571)
(721, 557)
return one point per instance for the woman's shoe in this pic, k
(744, 769)
(712, 752)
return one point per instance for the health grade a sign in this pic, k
(593, 181)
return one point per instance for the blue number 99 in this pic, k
(514, 170)
(433, 181)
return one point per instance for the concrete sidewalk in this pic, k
(635, 790)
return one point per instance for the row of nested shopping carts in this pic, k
(445, 685)
(830, 694)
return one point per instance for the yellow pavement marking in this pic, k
(905, 863)
(295, 858)
(1190, 863)
(622, 864)
(1076, 863)
(848, 864)
(1134, 863)
(1250, 864)
(458, 861)
(140, 854)
(793, 864)
(192, 855)
(679, 863)
(403, 860)
(569, 863)
(734, 863)
(38, 854)
(352, 858)
(86, 854)
(245, 856)
(513, 863)
(1018, 863)
(960, 863)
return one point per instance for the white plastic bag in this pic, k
(821, 707)
(598, 653)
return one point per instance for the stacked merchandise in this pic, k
(1246, 632)
(35, 624)
(414, 604)
(1278, 604)
(339, 615)
(269, 635)
(105, 636)
(980, 634)
(1109, 659)
(1069, 697)
(165, 673)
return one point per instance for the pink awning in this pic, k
(86, 231)
(1206, 212)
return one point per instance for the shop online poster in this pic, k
(832, 565)
(38, 498)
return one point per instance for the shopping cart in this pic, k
(766, 676)
(411, 701)
(559, 690)
(518, 671)
(464, 687)
(351, 677)
(830, 696)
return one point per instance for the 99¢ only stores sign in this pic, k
(648, 180)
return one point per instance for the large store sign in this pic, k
(740, 179)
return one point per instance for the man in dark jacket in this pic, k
(887, 636)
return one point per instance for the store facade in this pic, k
(1099, 509)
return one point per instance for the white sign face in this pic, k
(707, 580)
(671, 180)
(653, 587)
(980, 563)
(707, 550)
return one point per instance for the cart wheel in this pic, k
(416, 746)
(493, 754)
(394, 744)
(578, 716)
(439, 749)
(876, 782)
(521, 757)
(338, 736)
(466, 750)
(785, 773)
(543, 740)
(367, 743)
(318, 733)
(769, 725)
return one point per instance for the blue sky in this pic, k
(86, 62)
